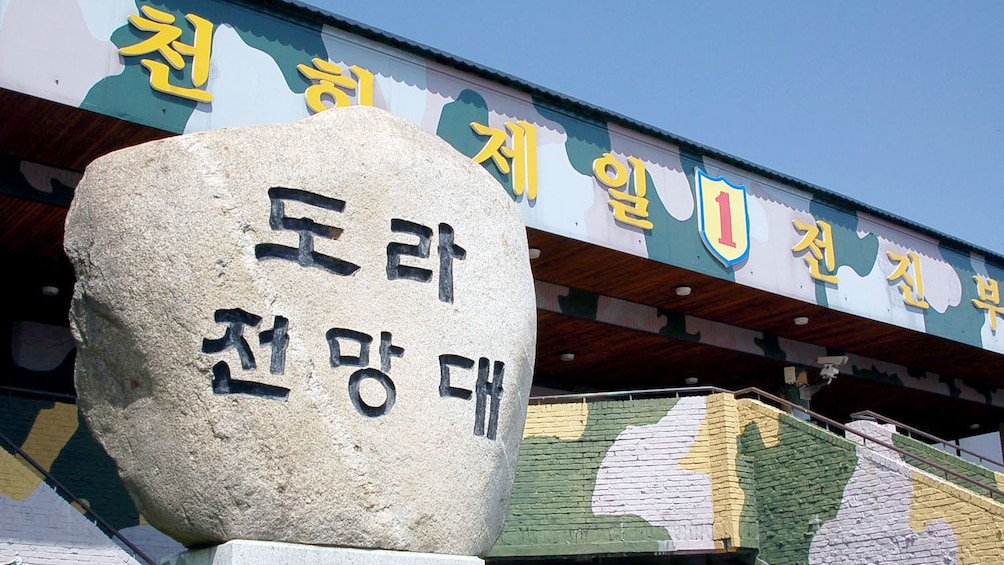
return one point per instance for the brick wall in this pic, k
(644, 476)
(694, 474)
(716, 474)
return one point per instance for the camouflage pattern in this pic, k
(650, 319)
(696, 474)
(68, 51)
(720, 474)
(54, 435)
(34, 181)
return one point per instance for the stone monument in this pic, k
(315, 333)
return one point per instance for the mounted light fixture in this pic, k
(534, 253)
(49, 290)
(682, 290)
(690, 380)
(567, 357)
(801, 320)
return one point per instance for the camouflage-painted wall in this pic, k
(39, 527)
(961, 466)
(34, 517)
(694, 474)
(611, 477)
(571, 174)
(720, 474)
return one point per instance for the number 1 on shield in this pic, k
(725, 215)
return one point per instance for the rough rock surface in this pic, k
(320, 332)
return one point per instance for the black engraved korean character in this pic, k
(395, 270)
(233, 338)
(483, 389)
(307, 228)
(447, 250)
(362, 360)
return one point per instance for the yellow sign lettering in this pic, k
(817, 240)
(911, 284)
(332, 82)
(631, 209)
(522, 154)
(164, 41)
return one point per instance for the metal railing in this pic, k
(65, 492)
(42, 394)
(829, 424)
(911, 432)
(629, 394)
(818, 419)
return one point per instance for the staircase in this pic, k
(41, 520)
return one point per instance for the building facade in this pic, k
(658, 263)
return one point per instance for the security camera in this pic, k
(829, 372)
(834, 360)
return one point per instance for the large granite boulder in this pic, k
(320, 332)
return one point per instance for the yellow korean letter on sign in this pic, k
(332, 83)
(911, 278)
(817, 240)
(630, 209)
(989, 298)
(165, 41)
(523, 153)
(723, 218)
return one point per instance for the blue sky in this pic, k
(896, 104)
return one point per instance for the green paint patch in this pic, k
(749, 528)
(129, 95)
(664, 225)
(962, 323)
(850, 250)
(676, 327)
(798, 486)
(284, 42)
(14, 183)
(288, 44)
(679, 242)
(791, 393)
(986, 390)
(87, 471)
(957, 464)
(873, 374)
(455, 127)
(579, 304)
(954, 392)
(770, 344)
(17, 416)
(82, 466)
(551, 508)
(585, 141)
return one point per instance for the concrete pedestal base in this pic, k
(247, 552)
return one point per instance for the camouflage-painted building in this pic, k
(659, 263)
